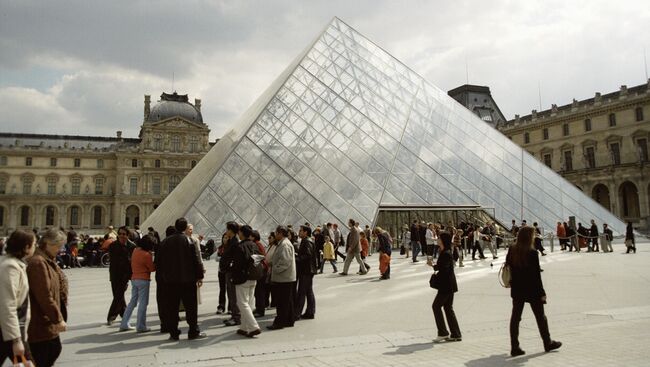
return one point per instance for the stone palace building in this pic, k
(88, 182)
(599, 144)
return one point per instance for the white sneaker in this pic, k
(441, 339)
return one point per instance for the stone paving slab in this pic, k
(599, 307)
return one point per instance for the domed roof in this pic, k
(174, 105)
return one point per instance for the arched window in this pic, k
(24, 215)
(629, 199)
(600, 193)
(173, 182)
(97, 216)
(50, 212)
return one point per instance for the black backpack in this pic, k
(255, 269)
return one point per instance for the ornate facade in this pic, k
(599, 144)
(89, 182)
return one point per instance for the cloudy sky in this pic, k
(82, 67)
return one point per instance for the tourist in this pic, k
(422, 237)
(244, 285)
(319, 242)
(221, 274)
(141, 268)
(283, 276)
(306, 267)
(336, 240)
(406, 242)
(572, 241)
(608, 236)
(415, 244)
(629, 238)
(593, 237)
(476, 238)
(526, 287)
(354, 249)
(486, 239)
(120, 272)
(260, 287)
(447, 286)
(177, 266)
(560, 232)
(458, 247)
(48, 293)
(431, 240)
(365, 246)
(583, 233)
(225, 263)
(539, 239)
(14, 292)
(385, 248)
(328, 255)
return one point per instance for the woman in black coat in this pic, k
(446, 288)
(526, 287)
(629, 238)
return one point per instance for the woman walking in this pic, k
(526, 287)
(629, 238)
(47, 292)
(14, 292)
(141, 266)
(447, 286)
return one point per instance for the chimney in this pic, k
(119, 135)
(147, 106)
(197, 104)
(598, 98)
(623, 90)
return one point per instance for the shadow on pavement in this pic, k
(502, 360)
(409, 349)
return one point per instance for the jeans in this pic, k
(332, 262)
(415, 247)
(305, 292)
(222, 290)
(245, 303)
(139, 297)
(446, 301)
(232, 298)
(542, 323)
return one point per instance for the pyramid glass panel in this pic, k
(346, 129)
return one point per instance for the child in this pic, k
(328, 255)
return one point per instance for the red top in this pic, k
(364, 246)
(142, 264)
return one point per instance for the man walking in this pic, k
(179, 269)
(415, 242)
(306, 267)
(354, 249)
(232, 231)
(283, 276)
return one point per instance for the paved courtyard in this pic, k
(598, 306)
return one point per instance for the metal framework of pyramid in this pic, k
(347, 128)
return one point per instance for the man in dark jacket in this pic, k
(593, 234)
(306, 267)
(179, 269)
(120, 272)
(422, 236)
(319, 243)
(244, 286)
(225, 265)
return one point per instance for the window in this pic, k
(76, 185)
(3, 185)
(194, 144)
(28, 161)
(49, 216)
(74, 216)
(156, 163)
(157, 142)
(99, 186)
(545, 133)
(100, 163)
(565, 129)
(588, 125)
(52, 162)
(547, 160)
(642, 147)
(156, 186)
(526, 138)
(590, 157)
(638, 112)
(3, 161)
(568, 160)
(133, 186)
(24, 216)
(97, 216)
(134, 162)
(77, 162)
(173, 182)
(51, 185)
(27, 185)
(615, 151)
(612, 119)
(193, 164)
(176, 143)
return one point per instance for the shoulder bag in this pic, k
(504, 276)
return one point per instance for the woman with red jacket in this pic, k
(141, 266)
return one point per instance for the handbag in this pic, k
(402, 250)
(629, 243)
(434, 281)
(504, 276)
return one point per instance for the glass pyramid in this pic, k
(347, 128)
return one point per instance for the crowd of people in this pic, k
(254, 276)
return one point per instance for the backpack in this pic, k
(256, 269)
